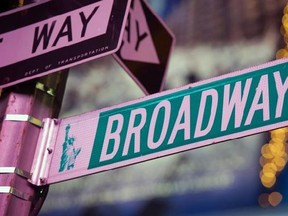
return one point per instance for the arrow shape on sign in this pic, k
(146, 47)
(137, 43)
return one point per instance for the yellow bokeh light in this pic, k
(285, 21)
(279, 133)
(267, 177)
(274, 149)
(279, 162)
(266, 153)
(285, 10)
(281, 53)
(270, 167)
(274, 156)
(282, 30)
(269, 184)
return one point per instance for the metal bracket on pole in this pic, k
(15, 170)
(23, 118)
(44, 152)
(47, 90)
(15, 192)
(12, 190)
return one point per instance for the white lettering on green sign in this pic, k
(198, 113)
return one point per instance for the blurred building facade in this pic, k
(224, 21)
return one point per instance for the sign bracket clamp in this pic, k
(43, 153)
(12, 190)
(23, 118)
(45, 89)
(15, 170)
(15, 192)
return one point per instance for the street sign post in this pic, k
(227, 107)
(146, 47)
(49, 36)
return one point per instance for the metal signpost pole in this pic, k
(22, 109)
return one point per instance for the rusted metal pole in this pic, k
(22, 109)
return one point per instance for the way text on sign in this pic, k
(36, 40)
(57, 32)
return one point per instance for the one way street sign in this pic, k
(146, 47)
(227, 107)
(45, 37)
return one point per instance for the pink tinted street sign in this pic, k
(146, 47)
(235, 105)
(45, 37)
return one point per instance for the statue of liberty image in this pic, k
(69, 152)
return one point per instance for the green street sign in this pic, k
(227, 107)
